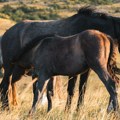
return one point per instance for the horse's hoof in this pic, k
(31, 113)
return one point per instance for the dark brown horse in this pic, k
(22, 33)
(70, 56)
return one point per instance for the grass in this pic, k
(94, 108)
(5, 24)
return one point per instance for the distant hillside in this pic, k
(49, 9)
(38, 1)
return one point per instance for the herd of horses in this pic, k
(75, 45)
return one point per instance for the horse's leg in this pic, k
(50, 92)
(110, 86)
(35, 95)
(17, 74)
(82, 87)
(113, 105)
(100, 68)
(39, 89)
(70, 90)
(4, 86)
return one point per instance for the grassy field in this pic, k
(94, 108)
(96, 97)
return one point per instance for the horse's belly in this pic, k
(75, 69)
(72, 66)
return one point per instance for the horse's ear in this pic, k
(87, 10)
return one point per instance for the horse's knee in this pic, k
(35, 86)
(71, 85)
(50, 93)
(17, 74)
(50, 87)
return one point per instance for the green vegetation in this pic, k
(45, 10)
(67, 1)
(25, 12)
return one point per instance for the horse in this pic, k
(72, 55)
(22, 33)
(1, 60)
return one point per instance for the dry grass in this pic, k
(94, 108)
(5, 24)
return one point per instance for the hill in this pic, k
(49, 10)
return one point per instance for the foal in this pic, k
(71, 56)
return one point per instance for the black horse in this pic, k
(70, 56)
(1, 61)
(22, 33)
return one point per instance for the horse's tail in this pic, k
(112, 59)
(28, 47)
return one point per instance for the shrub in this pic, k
(7, 9)
(100, 1)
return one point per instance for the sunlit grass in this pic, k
(5, 24)
(94, 107)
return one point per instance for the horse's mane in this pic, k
(90, 11)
